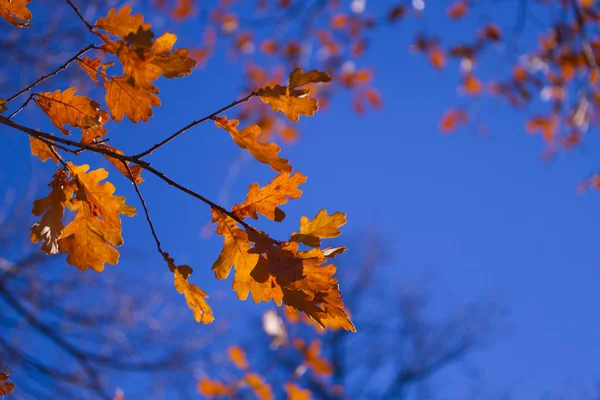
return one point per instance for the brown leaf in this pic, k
(267, 200)
(247, 139)
(50, 226)
(16, 12)
(312, 359)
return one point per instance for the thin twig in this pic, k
(22, 106)
(139, 193)
(192, 124)
(53, 73)
(89, 26)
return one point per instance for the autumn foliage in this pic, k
(128, 58)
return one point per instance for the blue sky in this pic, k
(482, 214)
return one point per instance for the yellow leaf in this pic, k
(91, 238)
(267, 199)
(322, 226)
(50, 226)
(237, 357)
(247, 139)
(123, 99)
(41, 149)
(195, 298)
(66, 109)
(173, 63)
(16, 12)
(122, 23)
(261, 389)
(291, 101)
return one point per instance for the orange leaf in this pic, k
(91, 238)
(42, 150)
(458, 9)
(472, 85)
(322, 226)
(194, 297)
(290, 100)
(437, 58)
(122, 23)
(94, 66)
(16, 12)
(320, 366)
(546, 125)
(247, 139)
(452, 119)
(268, 199)
(295, 393)
(123, 99)
(210, 388)
(67, 109)
(237, 357)
(136, 170)
(5, 387)
(261, 389)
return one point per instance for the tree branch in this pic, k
(194, 123)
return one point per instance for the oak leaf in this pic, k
(5, 387)
(94, 66)
(194, 297)
(247, 139)
(290, 100)
(50, 226)
(42, 150)
(122, 23)
(173, 63)
(320, 227)
(64, 108)
(91, 238)
(16, 12)
(267, 200)
(124, 99)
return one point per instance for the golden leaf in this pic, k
(123, 99)
(247, 139)
(291, 101)
(122, 23)
(322, 226)
(66, 109)
(42, 150)
(267, 199)
(16, 12)
(173, 63)
(50, 226)
(194, 297)
(91, 238)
